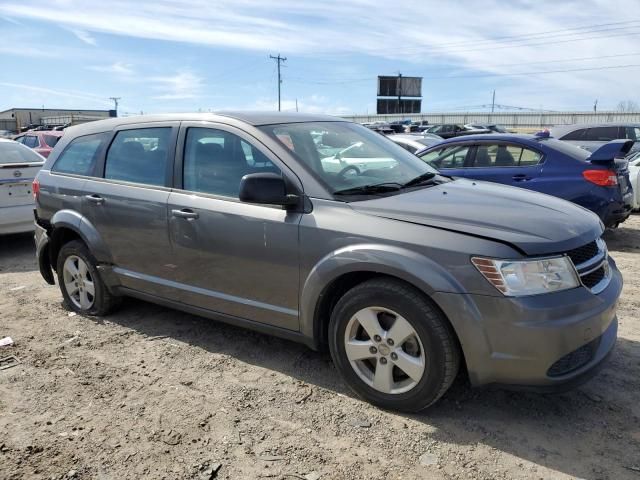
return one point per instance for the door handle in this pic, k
(97, 199)
(185, 213)
(521, 177)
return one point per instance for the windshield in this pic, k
(346, 155)
(13, 152)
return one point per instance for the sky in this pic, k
(209, 55)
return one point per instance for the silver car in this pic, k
(324, 232)
(593, 136)
(18, 168)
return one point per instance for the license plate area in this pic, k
(17, 190)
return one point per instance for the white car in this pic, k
(634, 179)
(18, 167)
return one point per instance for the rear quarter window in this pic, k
(79, 157)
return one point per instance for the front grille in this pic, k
(592, 279)
(574, 360)
(592, 265)
(582, 254)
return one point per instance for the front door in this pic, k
(231, 257)
(128, 205)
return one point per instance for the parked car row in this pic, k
(42, 141)
(404, 273)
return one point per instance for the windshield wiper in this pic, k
(367, 189)
(420, 179)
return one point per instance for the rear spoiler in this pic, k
(612, 150)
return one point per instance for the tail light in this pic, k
(35, 188)
(603, 178)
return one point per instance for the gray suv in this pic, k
(321, 231)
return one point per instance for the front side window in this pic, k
(345, 155)
(139, 155)
(450, 157)
(633, 133)
(216, 160)
(80, 155)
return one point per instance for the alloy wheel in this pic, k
(78, 282)
(384, 350)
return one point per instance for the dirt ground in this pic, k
(154, 393)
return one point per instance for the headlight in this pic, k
(516, 278)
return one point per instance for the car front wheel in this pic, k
(392, 346)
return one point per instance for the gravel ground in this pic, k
(154, 393)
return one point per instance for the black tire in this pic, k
(103, 301)
(441, 348)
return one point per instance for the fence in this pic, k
(508, 119)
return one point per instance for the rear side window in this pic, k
(139, 155)
(50, 140)
(505, 156)
(80, 155)
(31, 141)
(602, 134)
(575, 135)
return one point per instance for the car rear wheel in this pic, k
(392, 346)
(80, 283)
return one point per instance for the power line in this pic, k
(546, 34)
(279, 60)
(481, 75)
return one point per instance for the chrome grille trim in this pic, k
(599, 261)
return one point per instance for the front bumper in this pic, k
(545, 342)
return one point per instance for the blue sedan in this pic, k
(598, 181)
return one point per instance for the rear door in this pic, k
(128, 204)
(506, 163)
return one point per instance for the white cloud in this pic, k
(439, 38)
(117, 68)
(83, 36)
(181, 86)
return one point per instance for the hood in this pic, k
(533, 223)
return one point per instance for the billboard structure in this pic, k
(399, 87)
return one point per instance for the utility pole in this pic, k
(399, 92)
(115, 103)
(296, 104)
(493, 101)
(279, 60)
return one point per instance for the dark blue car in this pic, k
(598, 181)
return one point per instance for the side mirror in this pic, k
(266, 188)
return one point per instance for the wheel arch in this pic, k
(67, 225)
(343, 269)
